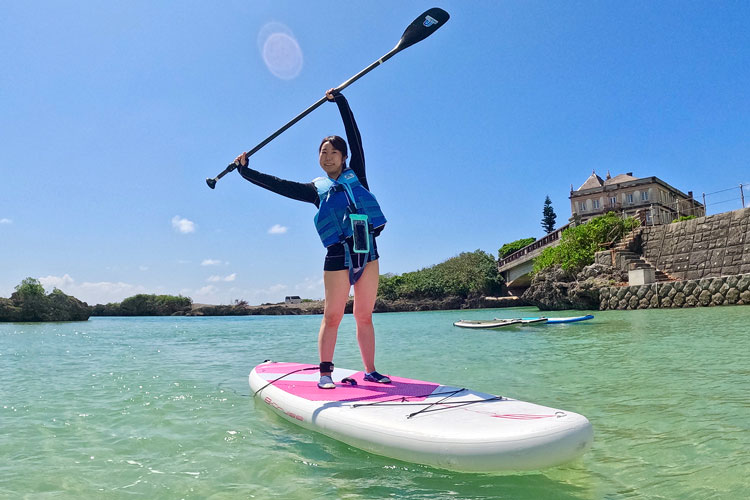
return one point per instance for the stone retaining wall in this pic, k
(719, 291)
(706, 247)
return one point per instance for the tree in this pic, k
(513, 247)
(549, 216)
(29, 303)
(30, 297)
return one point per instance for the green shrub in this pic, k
(145, 305)
(30, 303)
(684, 217)
(579, 244)
(513, 247)
(468, 274)
(32, 300)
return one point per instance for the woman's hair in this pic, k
(338, 144)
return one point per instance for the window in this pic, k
(644, 195)
(582, 206)
(613, 201)
(629, 198)
(594, 204)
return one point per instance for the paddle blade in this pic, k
(422, 27)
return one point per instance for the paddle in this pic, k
(422, 27)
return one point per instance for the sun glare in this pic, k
(280, 50)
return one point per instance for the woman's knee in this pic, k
(362, 318)
(333, 317)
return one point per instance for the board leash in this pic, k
(283, 376)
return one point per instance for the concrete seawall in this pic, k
(704, 292)
(709, 257)
(707, 247)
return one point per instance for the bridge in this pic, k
(516, 267)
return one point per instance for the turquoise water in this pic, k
(160, 407)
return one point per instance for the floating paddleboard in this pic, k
(572, 319)
(497, 322)
(424, 422)
(494, 323)
(531, 321)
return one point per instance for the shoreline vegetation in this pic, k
(469, 280)
(565, 276)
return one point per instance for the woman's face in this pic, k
(331, 160)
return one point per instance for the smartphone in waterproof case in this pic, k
(360, 232)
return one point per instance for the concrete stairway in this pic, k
(627, 257)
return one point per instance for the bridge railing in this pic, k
(541, 242)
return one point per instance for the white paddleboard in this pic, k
(489, 323)
(423, 422)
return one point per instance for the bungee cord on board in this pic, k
(430, 406)
(443, 404)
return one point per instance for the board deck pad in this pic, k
(305, 384)
(423, 422)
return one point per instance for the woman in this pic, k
(348, 220)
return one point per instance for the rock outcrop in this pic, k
(555, 289)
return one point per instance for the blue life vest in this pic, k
(338, 199)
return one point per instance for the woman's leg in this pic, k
(365, 292)
(337, 293)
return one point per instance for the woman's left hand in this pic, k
(330, 93)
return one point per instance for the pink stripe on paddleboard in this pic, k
(282, 368)
(415, 390)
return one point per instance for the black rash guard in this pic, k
(306, 191)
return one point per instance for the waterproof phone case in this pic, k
(360, 232)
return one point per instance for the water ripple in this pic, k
(159, 407)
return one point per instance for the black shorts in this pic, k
(336, 256)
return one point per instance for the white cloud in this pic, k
(183, 225)
(100, 292)
(216, 278)
(212, 294)
(61, 282)
(278, 229)
(312, 288)
(217, 291)
(5, 220)
(205, 295)
(221, 289)
(211, 262)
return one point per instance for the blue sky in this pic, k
(112, 114)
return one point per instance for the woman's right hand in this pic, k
(241, 160)
(331, 94)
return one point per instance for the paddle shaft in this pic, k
(422, 27)
(309, 110)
